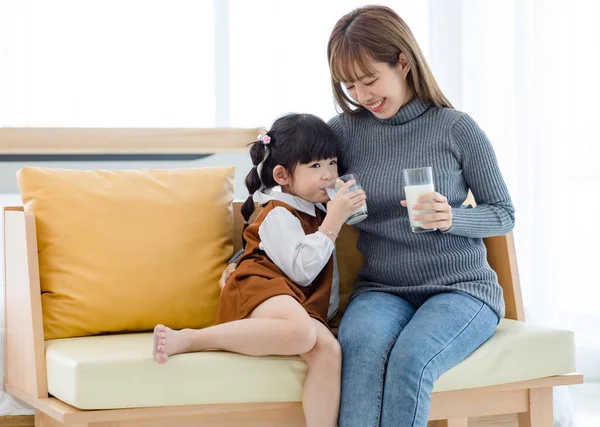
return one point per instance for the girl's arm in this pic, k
(300, 256)
(494, 214)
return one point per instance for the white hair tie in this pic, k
(260, 165)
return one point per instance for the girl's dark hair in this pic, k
(295, 138)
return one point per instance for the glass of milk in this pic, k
(361, 212)
(417, 182)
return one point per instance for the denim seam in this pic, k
(382, 376)
(437, 354)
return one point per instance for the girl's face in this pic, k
(309, 180)
(383, 92)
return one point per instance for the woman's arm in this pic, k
(494, 214)
(234, 259)
(230, 268)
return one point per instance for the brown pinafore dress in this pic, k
(256, 278)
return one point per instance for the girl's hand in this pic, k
(441, 218)
(344, 202)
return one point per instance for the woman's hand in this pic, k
(441, 218)
(225, 276)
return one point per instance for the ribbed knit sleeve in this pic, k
(494, 213)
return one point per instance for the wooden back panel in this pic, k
(502, 257)
(25, 353)
(500, 254)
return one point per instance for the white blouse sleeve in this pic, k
(300, 256)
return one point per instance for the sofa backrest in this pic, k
(500, 254)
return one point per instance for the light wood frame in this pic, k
(88, 141)
(26, 366)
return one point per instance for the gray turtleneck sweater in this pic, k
(416, 266)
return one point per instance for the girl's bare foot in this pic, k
(168, 342)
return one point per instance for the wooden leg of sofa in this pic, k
(540, 409)
(38, 419)
(43, 420)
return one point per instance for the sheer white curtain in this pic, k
(527, 71)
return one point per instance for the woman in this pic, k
(424, 301)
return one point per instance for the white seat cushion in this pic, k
(517, 351)
(118, 371)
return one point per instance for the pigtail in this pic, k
(253, 184)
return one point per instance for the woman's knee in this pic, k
(369, 334)
(373, 317)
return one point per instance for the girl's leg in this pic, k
(321, 395)
(280, 325)
(370, 325)
(443, 332)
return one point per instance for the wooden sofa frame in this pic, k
(26, 365)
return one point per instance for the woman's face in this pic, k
(383, 92)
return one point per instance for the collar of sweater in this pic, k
(415, 108)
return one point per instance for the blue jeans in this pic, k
(392, 353)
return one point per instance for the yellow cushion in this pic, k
(124, 250)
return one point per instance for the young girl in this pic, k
(284, 288)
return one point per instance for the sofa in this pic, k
(93, 259)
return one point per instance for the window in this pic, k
(151, 63)
(107, 63)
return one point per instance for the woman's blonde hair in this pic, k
(377, 34)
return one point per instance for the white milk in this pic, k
(331, 192)
(413, 192)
